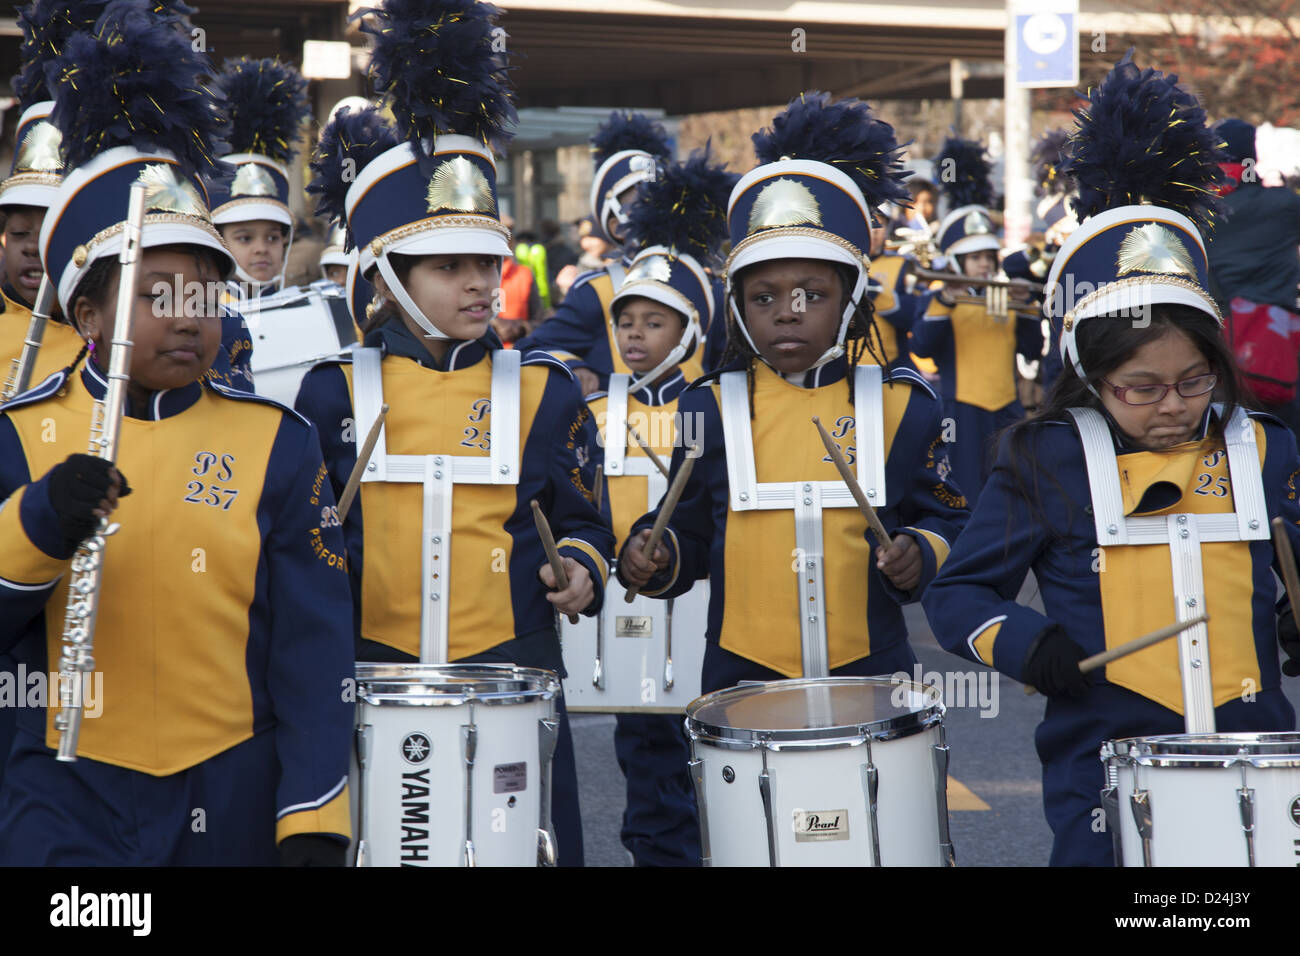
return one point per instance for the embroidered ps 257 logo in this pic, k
(217, 471)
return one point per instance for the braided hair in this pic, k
(862, 337)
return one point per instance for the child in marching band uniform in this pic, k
(796, 276)
(975, 350)
(218, 634)
(1110, 492)
(678, 223)
(425, 218)
(626, 150)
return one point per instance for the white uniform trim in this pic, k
(805, 498)
(320, 801)
(438, 474)
(1182, 534)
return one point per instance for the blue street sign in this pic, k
(1047, 49)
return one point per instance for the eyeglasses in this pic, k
(1152, 394)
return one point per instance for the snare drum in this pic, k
(1204, 799)
(292, 331)
(640, 658)
(454, 764)
(836, 771)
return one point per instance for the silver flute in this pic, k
(20, 369)
(78, 660)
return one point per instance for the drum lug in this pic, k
(548, 731)
(546, 855)
(1110, 807)
(468, 749)
(947, 856)
(363, 854)
(697, 776)
(598, 674)
(1246, 803)
(765, 780)
(1140, 802)
(668, 646)
(871, 789)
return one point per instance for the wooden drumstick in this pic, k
(552, 554)
(665, 512)
(650, 452)
(1098, 661)
(1286, 561)
(599, 493)
(842, 466)
(363, 459)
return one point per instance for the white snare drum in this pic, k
(454, 764)
(1204, 799)
(836, 771)
(644, 657)
(292, 331)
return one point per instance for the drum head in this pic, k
(1209, 750)
(431, 685)
(828, 709)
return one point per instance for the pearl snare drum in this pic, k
(1204, 799)
(836, 771)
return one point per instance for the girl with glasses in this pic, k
(1108, 492)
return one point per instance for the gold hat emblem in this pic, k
(1154, 248)
(253, 180)
(784, 202)
(460, 185)
(39, 152)
(976, 224)
(165, 193)
(652, 268)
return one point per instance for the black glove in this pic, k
(1053, 666)
(312, 849)
(77, 485)
(1289, 638)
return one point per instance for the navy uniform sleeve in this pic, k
(689, 533)
(1281, 478)
(971, 603)
(311, 645)
(932, 333)
(572, 329)
(1029, 336)
(32, 553)
(933, 510)
(581, 532)
(323, 399)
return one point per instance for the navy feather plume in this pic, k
(1142, 138)
(133, 81)
(626, 130)
(1047, 156)
(266, 103)
(437, 64)
(684, 207)
(963, 171)
(349, 141)
(46, 26)
(843, 134)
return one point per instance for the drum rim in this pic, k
(905, 724)
(1214, 750)
(373, 679)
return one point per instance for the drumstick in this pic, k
(665, 512)
(1286, 561)
(363, 459)
(599, 491)
(552, 555)
(650, 452)
(842, 466)
(1098, 661)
